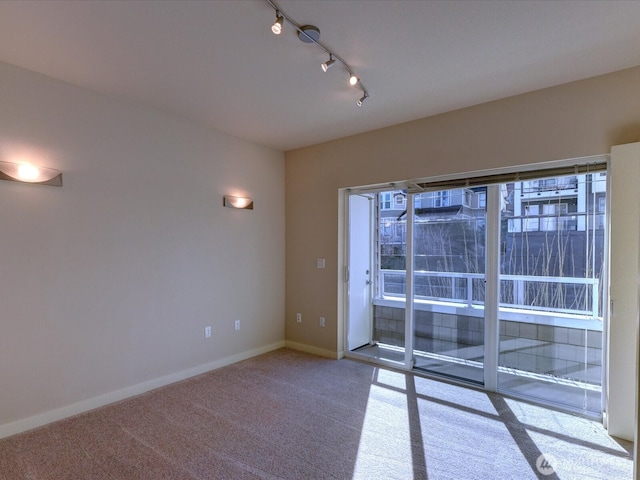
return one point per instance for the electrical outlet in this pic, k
(236, 325)
(207, 332)
(322, 321)
(299, 317)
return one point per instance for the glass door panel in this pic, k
(449, 237)
(551, 277)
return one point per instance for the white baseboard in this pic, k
(54, 415)
(321, 352)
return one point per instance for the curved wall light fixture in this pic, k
(244, 203)
(311, 34)
(29, 173)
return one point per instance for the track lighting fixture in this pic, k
(328, 64)
(277, 25)
(311, 34)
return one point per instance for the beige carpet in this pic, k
(296, 416)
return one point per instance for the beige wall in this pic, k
(108, 282)
(578, 119)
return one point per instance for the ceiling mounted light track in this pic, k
(311, 34)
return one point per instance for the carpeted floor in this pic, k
(291, 415)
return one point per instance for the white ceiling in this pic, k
(218, 64)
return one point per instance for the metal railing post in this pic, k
(595, 299)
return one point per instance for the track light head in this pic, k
(328, 64)
(277, 25)
(362, 99)
(353, 80)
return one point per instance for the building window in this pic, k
(482, 200)
(552, 217)
(385, 201)
(441, 199)
(531, 224)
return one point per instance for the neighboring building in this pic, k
(551, 227)
(437, 207)
(555, 227)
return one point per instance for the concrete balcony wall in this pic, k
(568, 353)
(562, 352)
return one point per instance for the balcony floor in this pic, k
(573, 396)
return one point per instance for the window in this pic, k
(385, 201)
(441, 199)
(531, 224)
(552, 219)
(399, 200)
(482, 200)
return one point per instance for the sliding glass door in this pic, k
(449, 236)
(551, 286)
(499, 284)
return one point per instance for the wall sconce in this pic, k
(28, 173)
(244, 203)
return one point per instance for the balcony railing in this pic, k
(567, 295)
(555, 222)
(550, 184)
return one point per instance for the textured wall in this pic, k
(109, 281)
